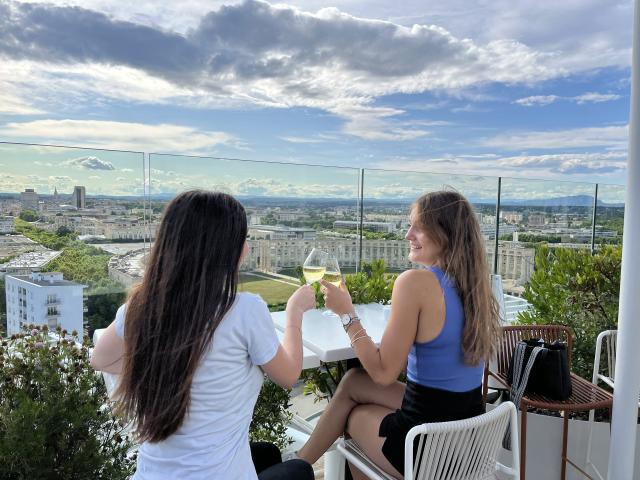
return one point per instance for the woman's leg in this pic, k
(264, 455)
(363, 427)
(356, 388)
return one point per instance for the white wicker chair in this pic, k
(607, 341)
(462, 449)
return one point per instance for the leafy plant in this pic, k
(270, 415)
(574, 288)
(371, 285)
(29, 215)
(55, 422)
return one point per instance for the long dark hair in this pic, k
(189, 285)
(449, 220)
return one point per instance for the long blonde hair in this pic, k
(449, 221)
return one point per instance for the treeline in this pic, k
(83, 264)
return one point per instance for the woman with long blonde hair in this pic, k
(443, 326)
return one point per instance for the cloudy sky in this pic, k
(516, 88)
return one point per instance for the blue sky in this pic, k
(524, 89)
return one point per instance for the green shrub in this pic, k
(270, 415)
(29, 215)
(55, 422)
(574, 288)
(371, 285)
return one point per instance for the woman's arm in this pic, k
(411, 290)
(107, 354)
(284, 369)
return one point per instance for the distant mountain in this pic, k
(568, 201)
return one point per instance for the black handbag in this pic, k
(549, 374)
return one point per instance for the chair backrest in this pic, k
(463, 449)
(510, 335)
(498, 293)
(606, 345)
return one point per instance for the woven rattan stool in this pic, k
(585, 395)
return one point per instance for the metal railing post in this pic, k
(593, 221)
(361, 224)
(495, 248)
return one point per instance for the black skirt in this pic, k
(425, 405)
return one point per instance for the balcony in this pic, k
(514, 223)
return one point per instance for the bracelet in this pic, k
(360, 338)
(358, 332)
(293, 326)
(355, 337)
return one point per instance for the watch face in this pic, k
(345, 319)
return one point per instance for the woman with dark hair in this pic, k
(443, 326)
(191, 351)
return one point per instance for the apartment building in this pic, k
(7, 225)
(43, 299)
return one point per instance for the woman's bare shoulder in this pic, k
(416, 280)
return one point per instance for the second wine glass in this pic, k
(332, 275)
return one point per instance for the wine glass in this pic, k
(332, 271)
(332, 275)
(315, 266)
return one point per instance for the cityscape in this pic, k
(326, 121)
(41, 224)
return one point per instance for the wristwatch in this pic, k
(347, 320)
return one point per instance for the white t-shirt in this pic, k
(213, 440)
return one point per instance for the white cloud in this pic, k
(15, 104)
(255, 53)
(585, 34)
(610, 136)
(90, 163)
(118, 135)
(537, 100)
(609, 165)
(569, 163)
(589, 97)
(594, 97)
(293, 139)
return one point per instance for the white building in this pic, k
(511, 217)
(28, 262)
(537, 220)
(281, 232)
(288, 216)
(386, 227)
(7, 225)
(43, 299)
(29, 199)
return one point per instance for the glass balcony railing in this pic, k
(68, 210)
(609, 218)
(92, 215)
(387, 199)
(533, 212)
(291, 208)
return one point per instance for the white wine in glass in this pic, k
(314, 266)
(332, 273)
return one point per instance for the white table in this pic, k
(324, 336)
(309, 360)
